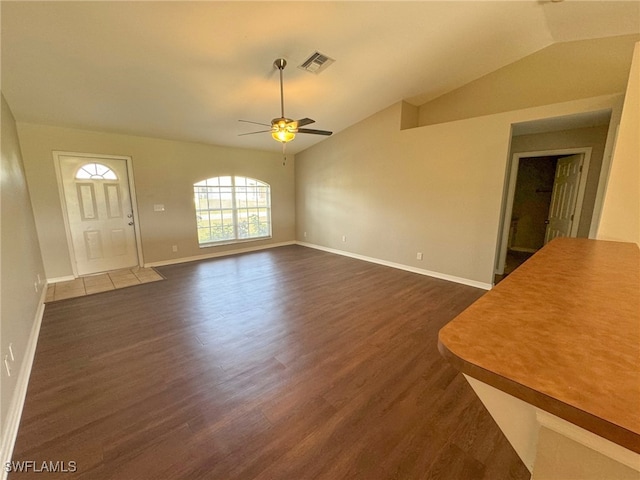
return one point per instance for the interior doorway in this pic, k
(544, 201)
(590, 133)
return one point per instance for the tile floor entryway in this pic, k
(102, 282)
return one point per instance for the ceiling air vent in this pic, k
(316, 63)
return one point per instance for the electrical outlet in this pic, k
(38, 283)
(6, 365)
(174, 248)
(344, 238)
(419, 256)
(304, 234)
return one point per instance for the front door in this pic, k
(564, 197)
(100, 214)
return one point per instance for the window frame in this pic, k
(235, 208)
(108, 174)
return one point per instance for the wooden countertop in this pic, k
(562, 333)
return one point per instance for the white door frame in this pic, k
(511, 190)
(63, 203)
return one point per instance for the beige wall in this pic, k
(21, 263)
(621, 211)
(558, 73)
(435, 189)
(594, 137)
(164, 173)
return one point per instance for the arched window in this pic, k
(232, 209)
(95, 171)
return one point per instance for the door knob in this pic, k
(130, 223)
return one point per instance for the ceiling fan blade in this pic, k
(252, 133)
(255, 123)
(314, 132)
(305, 121)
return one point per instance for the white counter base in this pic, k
(552, 448)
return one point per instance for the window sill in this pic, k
(233, 242)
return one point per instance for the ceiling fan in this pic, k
(284, 129)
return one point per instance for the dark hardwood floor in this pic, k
(287, 363)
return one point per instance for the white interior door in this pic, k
(99, 212)
(564, 197)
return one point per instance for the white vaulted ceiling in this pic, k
(190, 70)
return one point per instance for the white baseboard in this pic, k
(400, 266)
(68, 278)
(195, 258)
(10, 431)
(421, 271)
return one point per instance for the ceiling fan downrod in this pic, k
(280, 63)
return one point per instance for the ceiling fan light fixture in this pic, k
(283, 129)
(283, 136)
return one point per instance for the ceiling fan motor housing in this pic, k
(282, 122)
